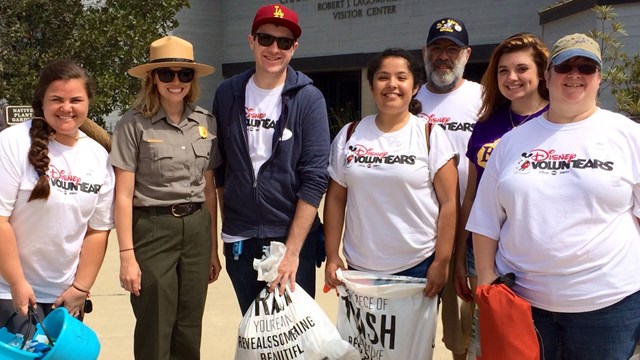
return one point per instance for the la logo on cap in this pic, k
(278, 12)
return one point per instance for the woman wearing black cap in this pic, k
(164, 152)
(558, 206)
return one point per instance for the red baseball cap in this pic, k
(279, 15)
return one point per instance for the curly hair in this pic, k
(492, 98)
(41, 133)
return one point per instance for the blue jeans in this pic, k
(245, 279)
(610, 333)
(420, 270)
(471, 264)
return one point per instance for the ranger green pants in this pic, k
(174, 255)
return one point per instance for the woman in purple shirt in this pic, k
(514, 91)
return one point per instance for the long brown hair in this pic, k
(41, 133)
(492, 98)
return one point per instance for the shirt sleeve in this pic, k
(10, 172)
(314, 155)
(103, 216)
(125, 144)
(337, 157)
(487, 214)
(440, 150)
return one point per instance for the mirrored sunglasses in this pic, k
(266, 40)
(167, 75)
(583, 69)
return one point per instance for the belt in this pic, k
(176, 210)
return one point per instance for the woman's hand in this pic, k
(330, 268)
(23, 296)
(436, 278)
(72, 299)
(216, 268)
(130, 274)
(460, 281)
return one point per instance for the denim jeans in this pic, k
(610, 333)
(244, 277)
(420, 270)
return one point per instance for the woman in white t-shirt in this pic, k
(558, 207)
(397, 183)
(56, 201)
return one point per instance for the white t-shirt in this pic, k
(50, 233)
(562, 201)
(392, 209)
(263, 108)
(456, 112)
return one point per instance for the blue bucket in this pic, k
(9, 352)
(72, 339)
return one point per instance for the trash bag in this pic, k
(386, 316)
(288, 326)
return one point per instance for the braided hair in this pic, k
(41, 133)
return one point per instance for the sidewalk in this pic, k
(113, 320)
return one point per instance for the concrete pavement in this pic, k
(113, 320)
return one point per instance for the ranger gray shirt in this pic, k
(169, 160)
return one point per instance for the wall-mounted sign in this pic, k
(16, 114)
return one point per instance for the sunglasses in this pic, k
(583, 69)
(167, 75)
(266, 40)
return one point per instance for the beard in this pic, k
(445, 80)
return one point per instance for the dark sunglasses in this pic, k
(583, 69)
(266, 40)
(167, 75)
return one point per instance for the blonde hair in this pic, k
(148, 99)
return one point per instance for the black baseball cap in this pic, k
(450, 29)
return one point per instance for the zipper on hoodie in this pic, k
(254, 177)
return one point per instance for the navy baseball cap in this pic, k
(450, 29)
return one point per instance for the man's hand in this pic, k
(286, 272)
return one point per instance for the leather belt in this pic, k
(176, 210)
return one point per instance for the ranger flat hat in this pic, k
(170, 51)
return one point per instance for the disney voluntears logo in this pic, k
(446, 123)
(361, 155)
(555, 163)
(258, 120)
(69, 183)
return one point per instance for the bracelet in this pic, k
(80, 289)
(127, 249)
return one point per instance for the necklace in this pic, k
(513, 125)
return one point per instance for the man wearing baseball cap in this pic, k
(452, 102)
(274, 140)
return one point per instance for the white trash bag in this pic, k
(386, 317)
(288, 326)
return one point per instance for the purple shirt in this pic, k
(486, 134)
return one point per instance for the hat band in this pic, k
(172, 60)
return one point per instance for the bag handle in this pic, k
(427, 131)
(351, 129)
(33, 315)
